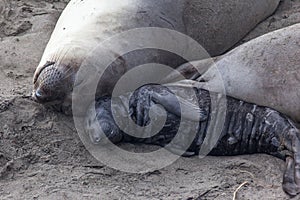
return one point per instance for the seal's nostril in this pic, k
(39, 95)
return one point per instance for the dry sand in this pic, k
(41, 156)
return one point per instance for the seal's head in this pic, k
(53, 82)
(104, 119)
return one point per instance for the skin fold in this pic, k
(247, 128)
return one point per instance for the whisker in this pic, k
(57, 59)
(63, 52)
(58, 55)
(55, 56)
(67, 74)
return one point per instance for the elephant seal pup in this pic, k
(247, 128)
(216, 25)
(264, 71)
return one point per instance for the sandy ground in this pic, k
(41, 156)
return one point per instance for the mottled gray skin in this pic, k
(248, 128)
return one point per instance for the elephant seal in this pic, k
(264, 71)
(247, 128)
(216, 25)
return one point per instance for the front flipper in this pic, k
(289, 185)
(142, 99)
(291, 177)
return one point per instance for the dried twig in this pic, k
(243, 171)
(237, 189)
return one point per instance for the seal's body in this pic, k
(216, 25)
(247, 128)
(264, 71)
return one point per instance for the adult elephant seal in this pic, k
(264, 71)
(216, 25)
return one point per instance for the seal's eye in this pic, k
(111, 131)
(107, 128)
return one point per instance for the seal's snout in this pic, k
(53, 83)
(102, 127)
(109, 130)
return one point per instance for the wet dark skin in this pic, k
(247, 129)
